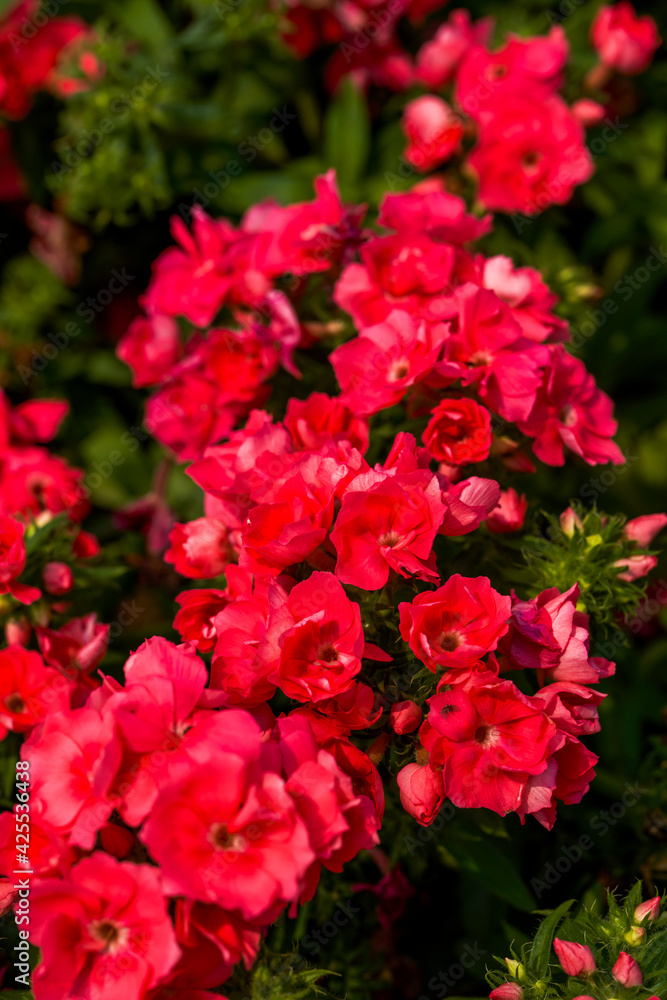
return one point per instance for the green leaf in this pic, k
(488, 865)
(347, 134)
(540, 954)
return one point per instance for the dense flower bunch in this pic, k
(500, 110)
(236, 810)
(176, 816)
(594, 956)
(41, 495)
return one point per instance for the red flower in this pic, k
(490, 740)
(422, 792)
(459, 432)
(314, 421)
(433, 132)
(530, 155)
(226, 834)
(151, 347)
(456, 624)
(102, 930)
(12, 561)
(510, 513)
(626, 971)
(387, 523)
(623, 40)
(570, 411)
(28, 690)
(80, 644)
(318, 639)
(200, 549)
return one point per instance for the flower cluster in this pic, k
(232, 811)
(431, 314)
(40, 495)
(610, 959)
(500, 110)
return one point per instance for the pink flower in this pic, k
(456, 624)
(549, 634)
(623, 40)
(428, 209)
(340, 821)
(28, 690)
(80, 644)
(200, 549)
(570, 411)
(531, 302)
(226, 834)
(488, 349)
(387, 523)
(438, 59)
(626, 971)
(36, 420)
(376, 369)
(405, 717)
(433, 131)
(12, 561)
(186, 414)
(74, 757)
(510, 513)
(530, 155)
(308, 237)
(467, 504)
(213, 264)
(643, 530)
(103, 930)
(58, 578)
(489, 739)
(151, 347)
(422, 792)
(458, 432)
(575, 959)
(523, 66)
(316, 635)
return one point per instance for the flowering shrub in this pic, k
(358, 625)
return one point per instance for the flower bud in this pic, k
(626, 971)
(422, 791)
(575, 959)
(516, 969)
(635, 935)
(17, 631)
(569, 522)
(507, 991)
(648, 910)
(405, 716)
(58, 578)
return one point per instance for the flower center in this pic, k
(399, 370)
(223, 840)
(486, 735)
(390, 538)
(449, 641)
(568, 416)
(327, 653)
(109, 934)
(15, 704)
(530, 159)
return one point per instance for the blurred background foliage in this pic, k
(190, 89)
